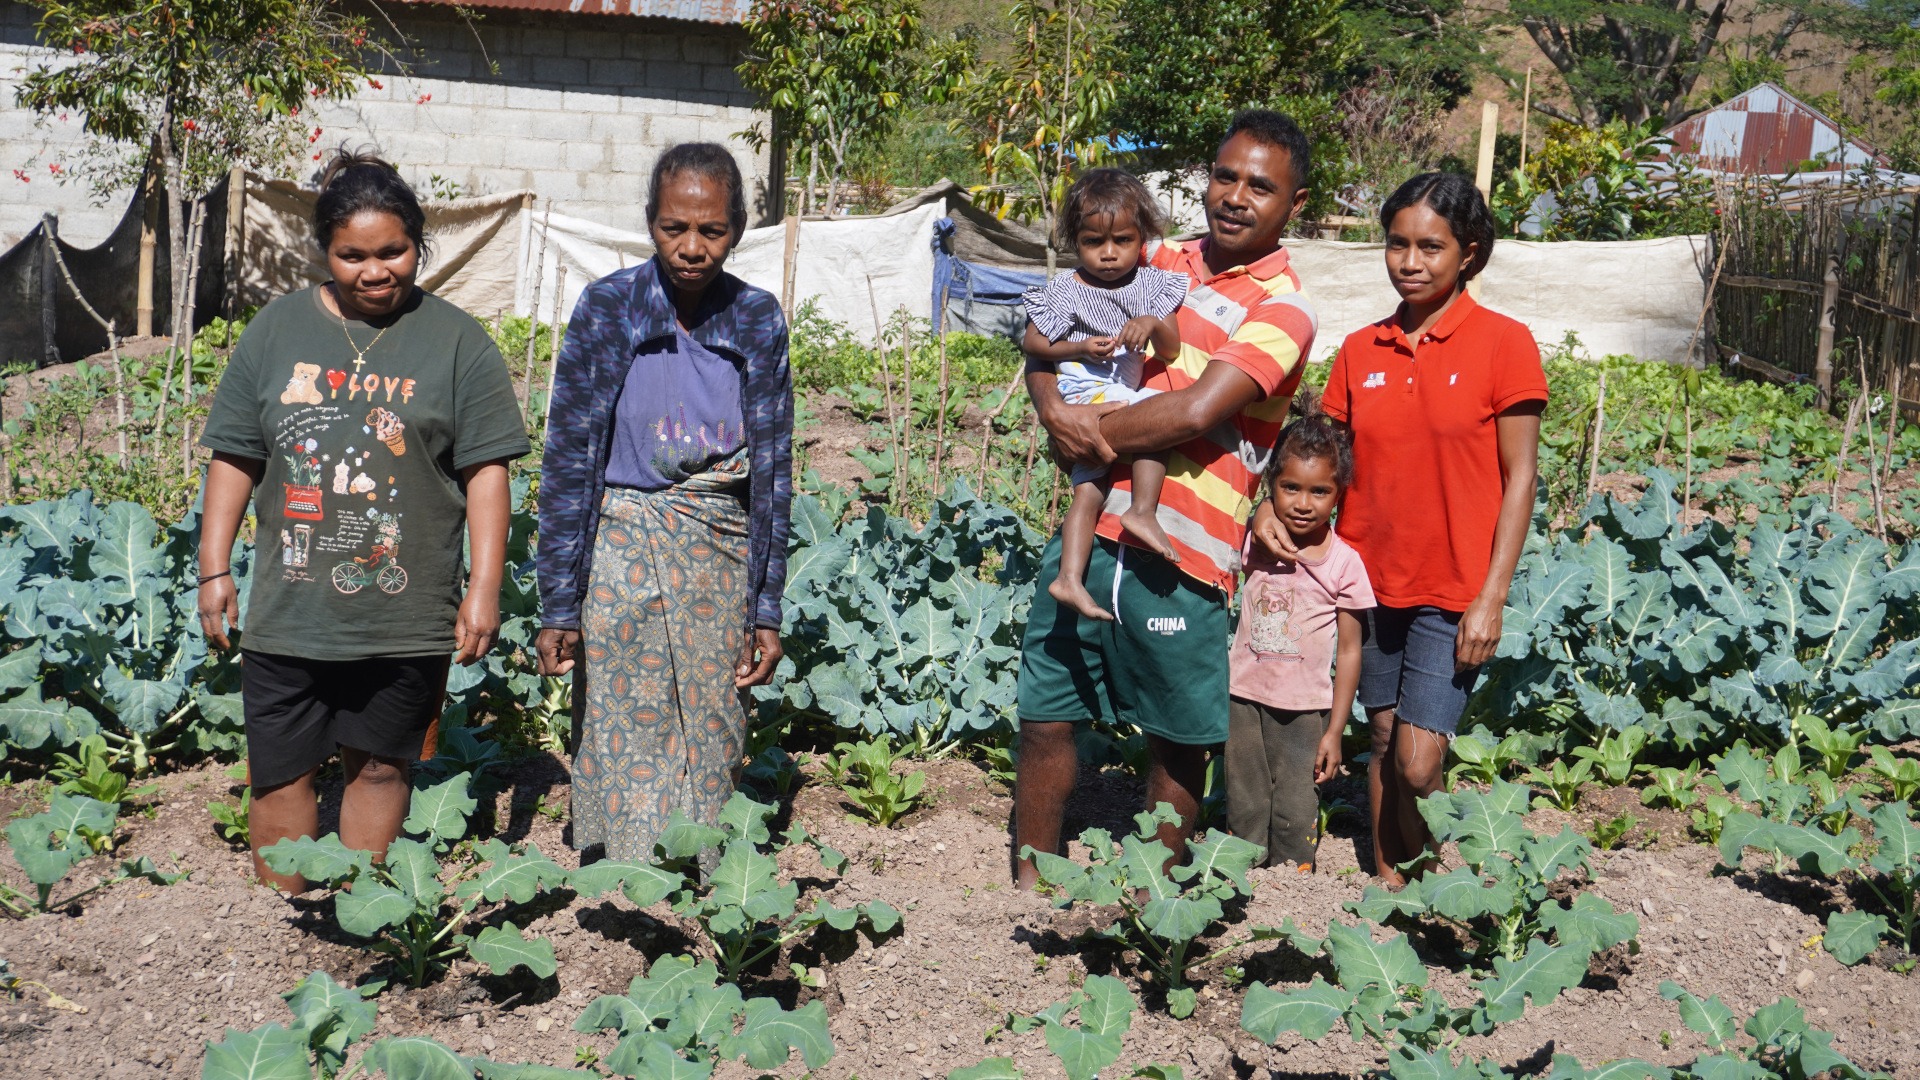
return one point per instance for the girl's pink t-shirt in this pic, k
(1284, 648)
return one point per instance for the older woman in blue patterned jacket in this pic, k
(664, 502)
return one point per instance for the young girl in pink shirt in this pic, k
(1295, 662)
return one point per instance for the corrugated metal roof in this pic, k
(1767, 131)
(708, 11)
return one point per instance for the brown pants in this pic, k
(1271, 797)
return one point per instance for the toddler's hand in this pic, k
(1100, 347)
(1135, 336)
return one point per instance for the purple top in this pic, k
(679, 414)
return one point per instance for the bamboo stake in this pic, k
(195, 246)
(1053, 499)
(1526, 115)
(894, 494)
(553, 343)
(533, 305)
(1033, 445)
(940, 428)
(906, 425)
(1893, 426)
(113, 350)
(1686, 483)
(1840, 463)
(1873, 467)
(1599, 430)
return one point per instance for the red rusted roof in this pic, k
(1767, 131)
(709, 11)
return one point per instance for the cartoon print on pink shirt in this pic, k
(1273, 633)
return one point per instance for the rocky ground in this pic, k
(145, 976)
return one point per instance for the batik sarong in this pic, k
(661, 626)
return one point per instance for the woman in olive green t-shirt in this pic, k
(369, 423)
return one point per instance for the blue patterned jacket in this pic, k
(615, 316)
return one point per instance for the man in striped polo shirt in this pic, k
(1245, 330)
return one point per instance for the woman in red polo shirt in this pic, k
(1444, 400)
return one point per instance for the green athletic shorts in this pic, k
(1162, 666)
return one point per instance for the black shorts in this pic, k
(300, 712)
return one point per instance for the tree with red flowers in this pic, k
(194, 87)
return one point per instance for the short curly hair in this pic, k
(1317, 438)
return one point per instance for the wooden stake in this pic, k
(1823, 348)
(1873, 467)
(236, 239)
(533, 306)
(1483, 171)
(788, 253)
(1599, 431)
(183, 329)
(986, 429)
(940, 424)
(1893, 426)
(1526, 116)
(906, 420)
(1053, 499)
(894, 493)
(1033, 446)
(1686, 484)
(149, 231)
(1840, 463)
(553, 341)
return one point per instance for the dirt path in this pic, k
(160, 971)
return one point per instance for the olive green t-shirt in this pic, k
(361, 509)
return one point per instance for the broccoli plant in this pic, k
(742, 908)
(1163, 911)
(405, 910)
(328, 1019)
(680, 1019)
(1891, 875)
(864, 772)
(1380, 992)
(1502, 895)
(48, 845)
(1085, 1047)
(1784, 1044)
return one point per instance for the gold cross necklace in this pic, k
(359, 354)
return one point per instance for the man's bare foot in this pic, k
(1073, 593)
(1146, 527)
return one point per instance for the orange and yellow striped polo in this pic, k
(1257, 319)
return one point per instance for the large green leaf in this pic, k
(370, 907)
(1899, 840)
(1709, 1017)
(330, 1016)
(999, 1068)
(1082, 1053)
(511, 876)
(123, 550)
(325, 859)
(1543, 974)
(1853, 935)
(768, 1035)
(1464, 895)
(140, 704)
(1310, 1010)
(440, 811)
(415, 872)
(268, 1053)
(503, 948)
(1360, 961)
(643, 883)
(416, 1058)
(1108, 1008)
(1589, 925)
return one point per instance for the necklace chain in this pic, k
(360, 354)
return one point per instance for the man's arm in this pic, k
(1164, 421)
(1075, 429)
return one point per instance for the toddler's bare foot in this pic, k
(1145, 526)
(1073, 593)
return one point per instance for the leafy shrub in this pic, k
(100, 637)
(404, 909)
(48, 845)
(1697, 642)
(328, 1019)
(910, 632)
(680, 1019)
(1502, 897)
(742, 908)
(1163, 910)
(865, 773)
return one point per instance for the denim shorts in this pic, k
(1406, 664)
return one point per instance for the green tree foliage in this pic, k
(1041, 114)
(195, 86)
(833, 73)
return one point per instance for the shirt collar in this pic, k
(716, 323)
(1265, 268)
(1387, 331)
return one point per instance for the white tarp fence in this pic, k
(1640, 297)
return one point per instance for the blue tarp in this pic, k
(981, 299)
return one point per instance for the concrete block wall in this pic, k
(574, 107)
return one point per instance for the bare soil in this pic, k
(154, 973)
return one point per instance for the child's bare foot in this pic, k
(1145, 526)
(1074, 594)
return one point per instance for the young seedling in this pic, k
(89, 771)
(742, 908)
(1163, 910)
(1836, 750)
(50, 844)
(1483, 762)
(1105, 1013)
(1502, 897)
(680, 1020)
(1606, 835)
(1899, 775)
(1613, 756)
(1562, 785)
(1784, 1044)
(402, 907)
(1673, 788)
(868, 779)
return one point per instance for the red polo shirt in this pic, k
(1426, 459)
